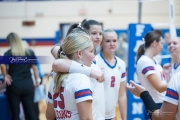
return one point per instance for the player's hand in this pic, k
(7, 79)
(99, 76)
(167, 68)
(135, 88)
(37, 84)
(38, 81)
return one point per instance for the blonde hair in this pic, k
(16, 44)
(26, 47)
(75, 41)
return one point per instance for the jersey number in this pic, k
(59, 103)
(112, 81)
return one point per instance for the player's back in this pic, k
(75, 88)
(145, 67)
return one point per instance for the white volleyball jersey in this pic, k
(113, 75)
(98, 104)
(173, 93)
(75, 88)
(175, 69)
(146, 66)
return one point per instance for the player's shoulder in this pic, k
(78, 76)
(119, 60)
(174, 82)
(98, 56)
(95, 67)
(143, 60)
(8, 53)
(77, 79)
(176, 78)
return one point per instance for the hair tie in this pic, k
(83, 29)
(63, 53)
(87, 19)
(79, 25)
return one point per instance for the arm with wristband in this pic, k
(66, 65)
(167, 110)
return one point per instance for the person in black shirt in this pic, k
(17, 76)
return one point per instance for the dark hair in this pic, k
(148, 39)
(159, 31)
(76, 26)
(86, 23)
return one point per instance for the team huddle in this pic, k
(88, 87)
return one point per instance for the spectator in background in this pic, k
(26, 46)
(40, 73)
(20, 86)
(166, 57)
(122, 48)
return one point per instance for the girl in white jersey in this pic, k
(171, 105)
(149, 72)
(64, 65)
(70, 95)
(114, 70)
(174, 50)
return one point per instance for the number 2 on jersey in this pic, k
(60, 103)
(112, 81)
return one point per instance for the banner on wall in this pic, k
(135, 34)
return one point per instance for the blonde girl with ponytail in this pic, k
(70, 95)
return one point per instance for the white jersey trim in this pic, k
(108, 63)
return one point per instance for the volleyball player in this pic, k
(70, 95)
(64, 65)
(114, 70)
(149, 72)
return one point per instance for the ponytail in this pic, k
(140, 52)
(74, 28)
(76, 39)
(71, 28)
(60, 76)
